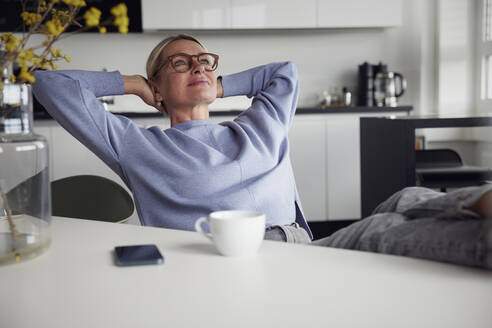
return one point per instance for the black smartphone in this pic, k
(138, 255)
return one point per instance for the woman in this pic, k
(196, 167)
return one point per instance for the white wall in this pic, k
(324, 58)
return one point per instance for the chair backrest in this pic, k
(437, 158)
(90, 197)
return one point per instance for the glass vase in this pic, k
(25, 207)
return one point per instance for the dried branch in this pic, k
(6, 206)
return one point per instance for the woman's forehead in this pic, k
(182, 46)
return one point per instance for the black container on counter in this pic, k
(367, 73)
(365, 95)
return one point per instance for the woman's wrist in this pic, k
(133, 84)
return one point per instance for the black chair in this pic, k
(90, 197)
(443, 168)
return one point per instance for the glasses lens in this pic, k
(181, 63)
(208, 61)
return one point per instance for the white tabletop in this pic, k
(76, 284)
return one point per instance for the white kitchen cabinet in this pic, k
(307, 139)
(359, 13)
(343, 166)
(254, 14)
(325, 155)
(185, 14)
(269, 14)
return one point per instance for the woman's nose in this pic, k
(197, 66)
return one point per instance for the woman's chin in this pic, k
(204, 99)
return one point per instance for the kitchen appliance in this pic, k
(378, 87)
(388, 87)
(366, 85)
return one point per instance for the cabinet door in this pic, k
(359, 13)
(185, 14)
(343, 167)
(308, 156)
(273, 14)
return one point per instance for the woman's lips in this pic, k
(198, 82)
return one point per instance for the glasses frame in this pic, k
(170, 58)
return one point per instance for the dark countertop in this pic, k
(432, 121)
(351, 110)
(42, 115)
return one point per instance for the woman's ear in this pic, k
(155, 91)
(158, 99)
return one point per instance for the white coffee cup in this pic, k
(234, 232)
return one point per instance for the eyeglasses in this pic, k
(182, 63)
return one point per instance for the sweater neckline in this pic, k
(190, 124)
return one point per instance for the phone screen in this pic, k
(138, 255)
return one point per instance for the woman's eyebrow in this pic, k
(180, 53)
(186, 54)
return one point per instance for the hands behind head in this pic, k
(148, 96)
(140, 86)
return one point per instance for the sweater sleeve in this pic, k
(71, 98)
(275, 89)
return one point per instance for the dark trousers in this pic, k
(422, 223)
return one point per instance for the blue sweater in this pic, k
(182, 173)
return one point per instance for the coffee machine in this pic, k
(378, 87)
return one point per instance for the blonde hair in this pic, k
(153, 62)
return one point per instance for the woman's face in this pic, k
(184, 90)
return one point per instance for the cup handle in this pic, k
(198, 227)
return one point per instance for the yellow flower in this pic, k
(53, 65)
(121, 19)
(55, 52)
(21, 59)
(52, 17)
(30, 54)
(11, 42)
(51, 27)
(30, 18)
(42, 6)
(25, 75)
(62, 15)
(122, 23)
(92, 16)
(36, 60)
(119, 10)
(76, 3)
(123, 29)
(54, 26)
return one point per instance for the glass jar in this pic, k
(25, 207)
